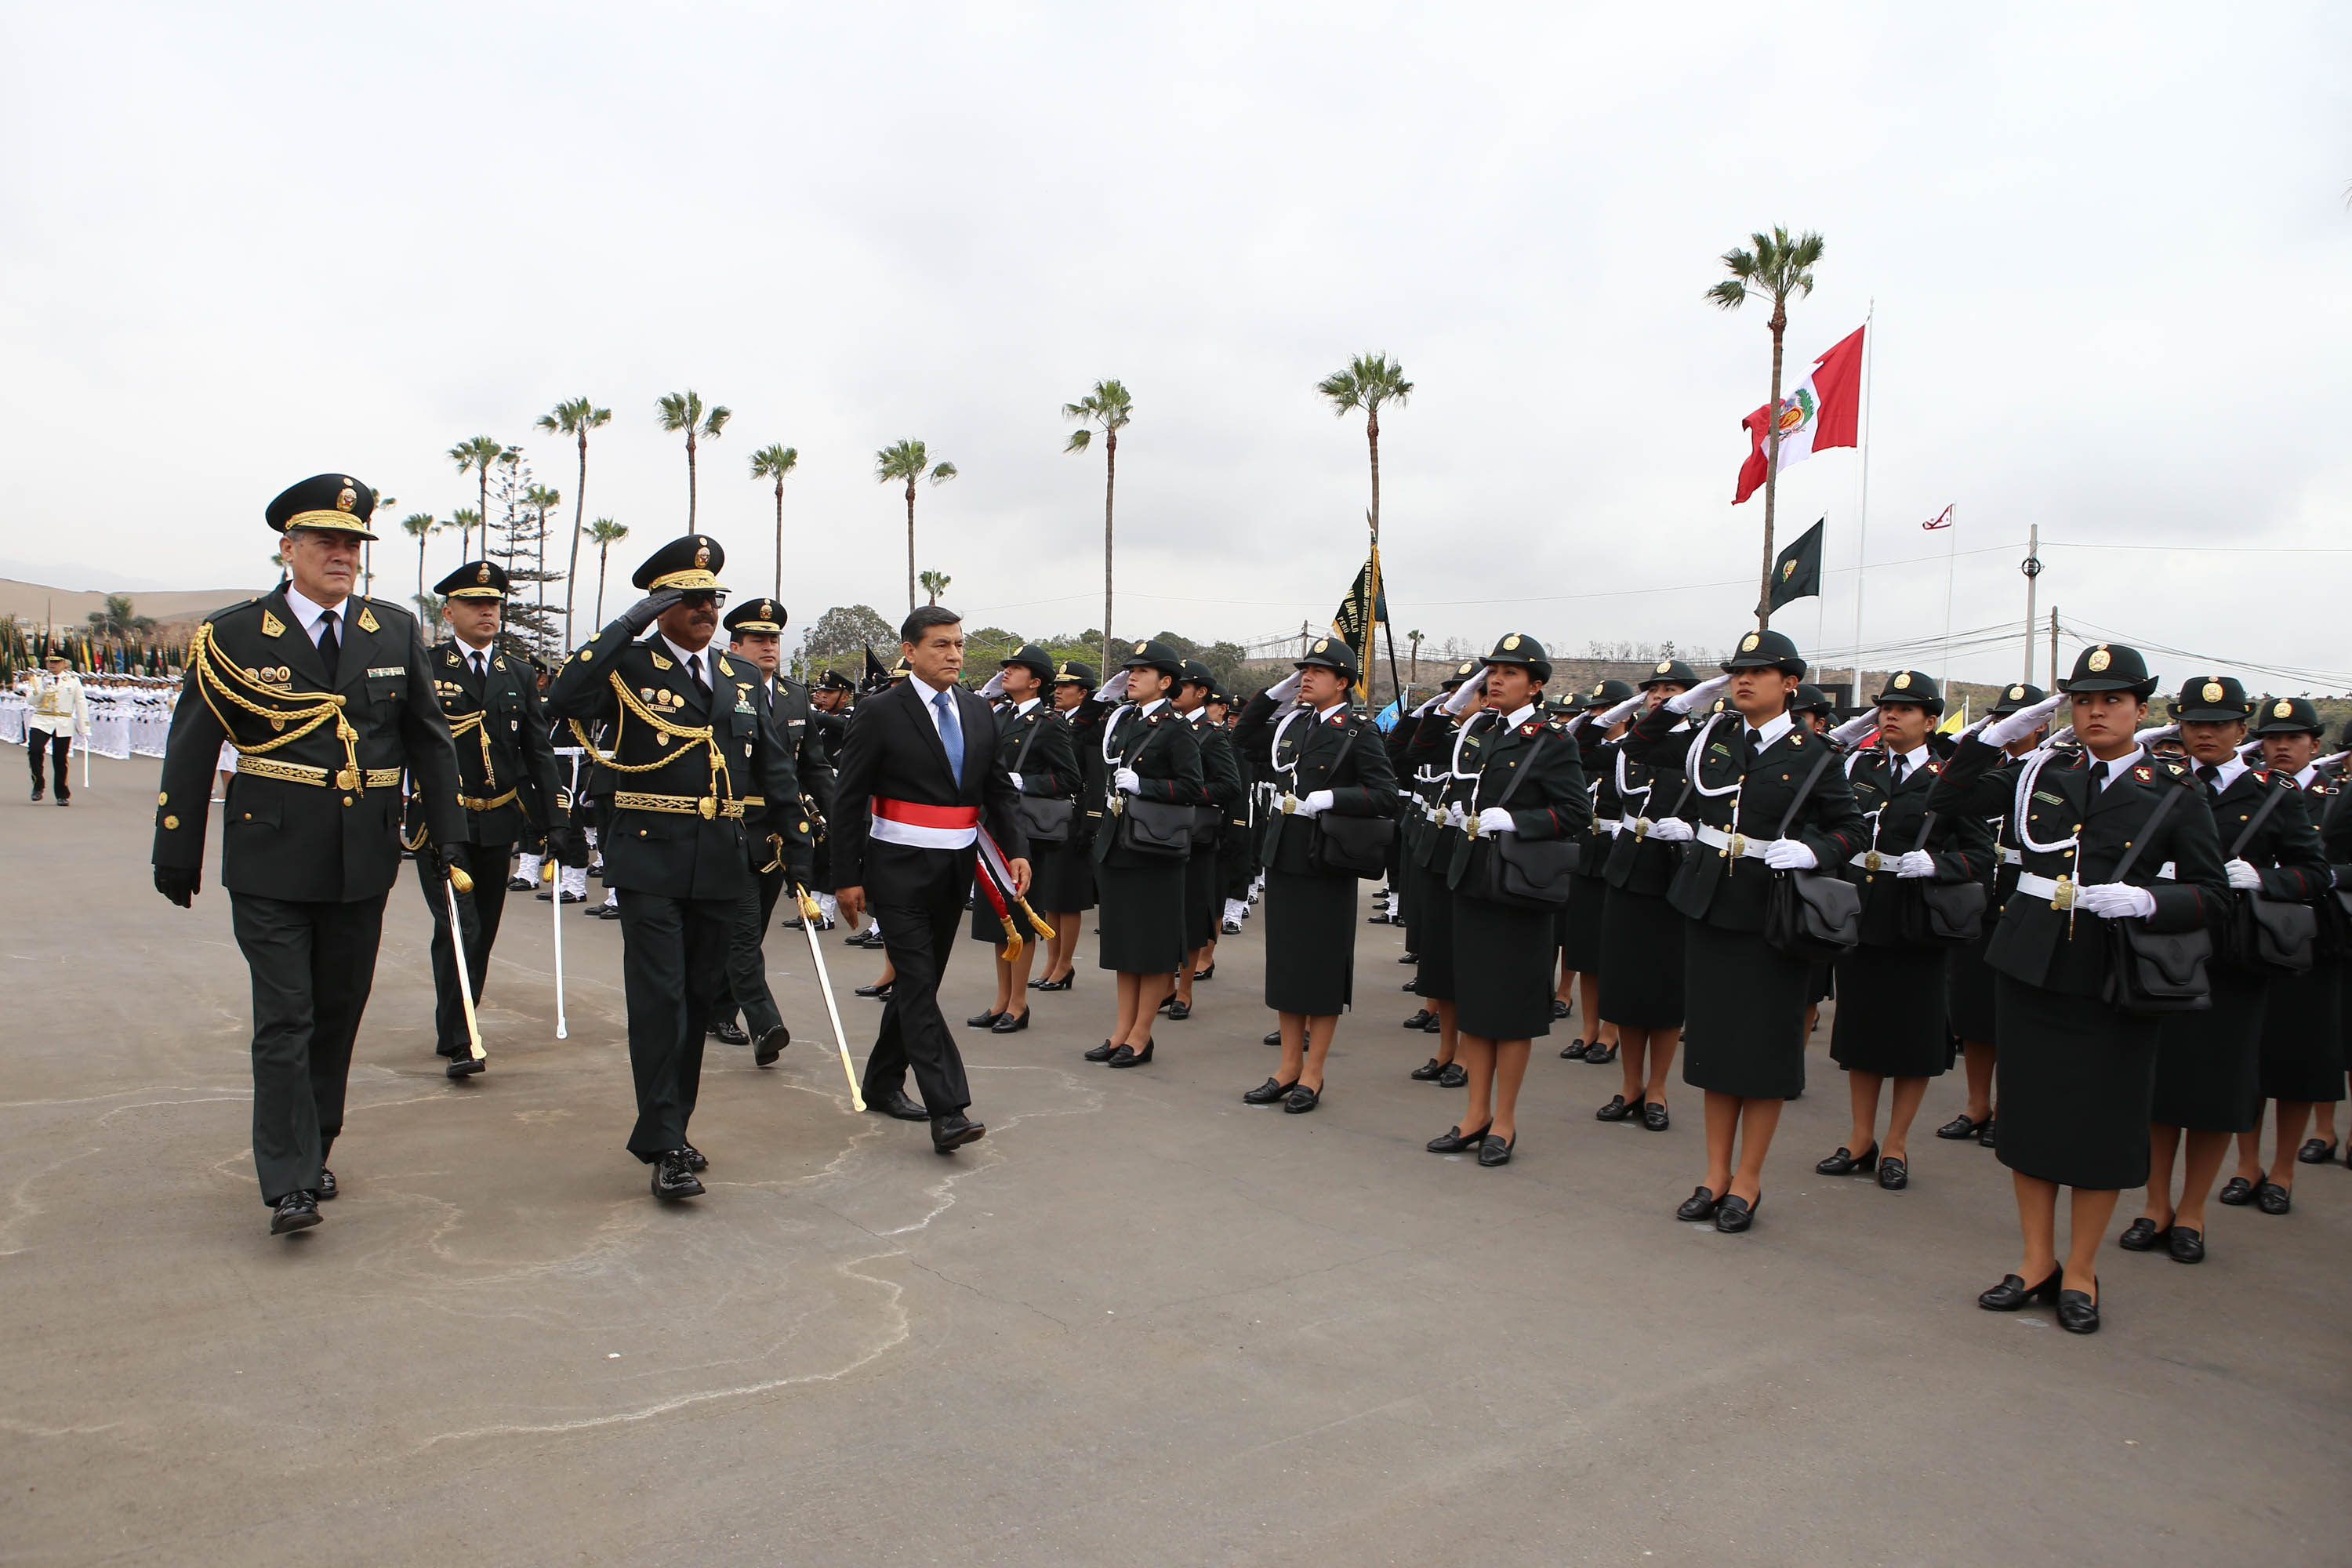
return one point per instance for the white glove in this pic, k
(1916, 863)
(1315, 803)
(1854, 728)
(1015, 778)
(1467, 693)
(1698, 696)
(1494, 819)
(1432, 706)
(1114, 690)
(1126, 780)
(1972, 728)
(995, 686)
(2156, 733)
(2117, 901)
(2243, 878)
(1790, 855)
(2022, 724)
(1286, 689)
(1611, 717)
(1670, 830)
(1456, 816)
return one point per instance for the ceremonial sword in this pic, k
(809, 915)
(451, 886)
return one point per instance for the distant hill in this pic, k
(70, 607)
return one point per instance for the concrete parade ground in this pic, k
(1141, 1323)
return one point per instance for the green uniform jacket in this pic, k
(505, 752)
(1304, 760)
(1166, 756)
(1551, 804)
(298, 824)
(1961, 841)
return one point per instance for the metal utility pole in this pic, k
(2053, 647)
(2031, 568)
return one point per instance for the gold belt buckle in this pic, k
(2063, 899)
(709, 806)
(1872, 861)
(347, 779)
(1737, 847)
(1640, 829)
(1289, 805)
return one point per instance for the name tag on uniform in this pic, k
(375, 671)
(2043, 795)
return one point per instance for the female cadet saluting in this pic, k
(2076, 1071)
(1221, 800)
(1327, 761)
(1769, 797)
(1150, 759)
(1529, 789)
(1641, 934)
(1064, 887)
(1588, 893)
(1032, 748)
(1443, 755)
(1890, 987)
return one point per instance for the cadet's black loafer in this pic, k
(2188, 1246)
(2077, 1313)
(2271, 1198)
(1454, 1075)
(1427, 1071)
(2237, 1192)
(2142, 1236)
(1267, 1093)
(1274, 1037)
(1010, 1023)
(1618, 1108)
(2013, 1293)
(1962, 1126)
(1177, 1011)
(878, 993)
(1128, 1057)
(1418, 1020)
(1492, 1150)
(982, 1020)
(2317, 1150)
(1700, 1204)
(1102, 1053)
(1845, 1161)
(672, 1179)
(1457, 1141)
(1654, 1117)
(1301, 1099)
(1573, 1051)
(1894, 1174)
(729, 1034)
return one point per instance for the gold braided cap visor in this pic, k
(474, 594)
(327, 518)
(760, 628)
(692, 578)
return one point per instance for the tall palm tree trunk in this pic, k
(910, 546)
(420, 566)
(604, 553)
(689, 481)
(485, 472)
(1372, 435)
(780, 537)
(1771, 467)
(1110, 488)
(572, 571)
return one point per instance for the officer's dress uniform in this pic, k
(2328, 796)
(1064, 875)
(690, 754)
(505, 780)
(2302, 1054)
(768, 827)
(1444, 752)
(1141, 926)
(325, 706)
(1583, 920)
(1224, 797)
(1310, 912)
(57, 712)
(1641, 934)
(1032, 735)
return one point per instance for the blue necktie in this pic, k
(951, 734)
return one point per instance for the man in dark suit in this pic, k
(328, 698)
(755, 629)
(917, 780)
(506, 782)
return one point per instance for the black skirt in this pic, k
(2303, 1036)
(1141, 926)
(1890, 1013)
(1968, 988)
(1582, 922)
(1310, 941)
(2207, 1076)
(1433, 936)
(2074, 1084)
(1502, 969)
(1202, 905)
(1641, 961)
(1744, 1005)
(1062, 878)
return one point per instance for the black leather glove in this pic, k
(444, 860)
(647, 610)
(566, 847)
(179, 886)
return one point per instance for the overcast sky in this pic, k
(2108, 254)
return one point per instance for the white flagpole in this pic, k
(1861, 517)
(1952, 548)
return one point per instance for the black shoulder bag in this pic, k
(1813, 915)
(1527, 874)
(2155, 972)
(1044, 819)
(2266, 934)
(1942, 914)
(1156, 829)
(1350, 846)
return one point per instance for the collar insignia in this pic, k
(1796, 737)
(2145, 774)
(452, 656)
(725, 667)
(271, 626)
(661, 663)
(368, 620)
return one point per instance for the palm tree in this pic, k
(935, 584)
(774, 462)
(420, 526)
(684, 411)
(477, 453)
(118, 620)
(1778, 268)
(1370, 381)
(606, 534)
(1414, 639)
(574, 418)
(464, 520)
(542, 499)
(909, 461)
(1109, 406)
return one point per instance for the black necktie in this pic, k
(1755, 740)
(1895, 778)
(2098, 777)
(694, 669)
(330, 648)
(479, 672)
(2211, 773)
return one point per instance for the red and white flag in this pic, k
(1941, 520)
(1825, 410)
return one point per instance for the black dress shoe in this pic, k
(795, 923)
(1208, 973)
(1573, 1051)
(1010, 1023)
(1654, 1117)
(1990, 1137)
(1178, 1011)
(1301, 1099)
(771, 1046)
(1061, 984)
(1457, 1141)
(2188, 1246)
(1559, 1009)
(327, 1188)
(1598, 1054)
(949, 1134)
(672, 1178)
(1454, 1075)
(1411, 986)
(1268, 1092)
(1894, 1174)
(1736, 1214)
(1274, 1037)
(295, 1211)
(1618, 1108)
(982, 1020)
(2271, 1198)
(900, 1104)
(879, 993)
(2317, 1150)
(729, 1034)
(693, 1157)
(1492, 1150)
(1102, 1053)
(2013, 1293)
(1382, 919)
(1845, 1161)
(2238, 1192)
(1427, 1071)
(1700, 1204)
(1962, 1126)
(1410, 958)
(1128, 1057)
(1435, 1027)
(2141, 1236)
(465, 1065)
(2077, 1312)
(1418, 1020)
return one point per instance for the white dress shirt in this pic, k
(310, 615)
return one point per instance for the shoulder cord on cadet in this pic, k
(210, 683)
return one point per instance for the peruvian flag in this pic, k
(1823, 410)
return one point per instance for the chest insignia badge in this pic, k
(661, 663)
(367, 619)
(2145, 774)
(271, 626)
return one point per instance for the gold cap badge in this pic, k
(346, 498)
(482, 572)
(2100, 659)
(1665, 666)
(1510, 642)
(2017, 694)
(1138, 647)
(702, 553)
(2213, 693)
(1322, 643)
(1903, 681)
(2282, 709)
(1747, 644)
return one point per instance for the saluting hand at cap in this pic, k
(1698, 696)
(1286, 689)
(2023, 722)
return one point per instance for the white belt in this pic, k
(1875, 859)
(1717, 839)
(1610, 826)
(2010, 857)
(2061, 893)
